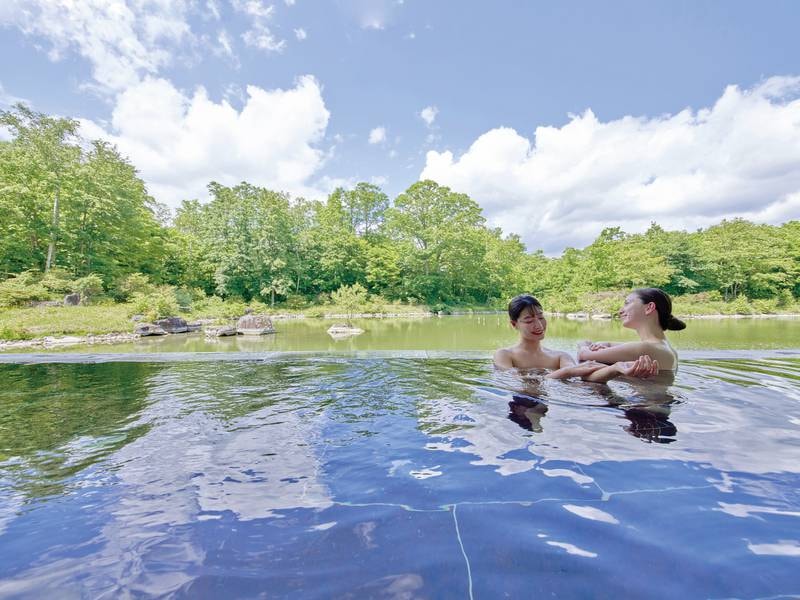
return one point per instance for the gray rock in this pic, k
(145, 329)
(224, 330)
(72, 299)
(255, 325)
(173, 325)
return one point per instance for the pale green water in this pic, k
(465, 333)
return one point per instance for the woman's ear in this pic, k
(649, 308)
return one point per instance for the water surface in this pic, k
(391, 477)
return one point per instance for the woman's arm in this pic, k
(573, 370)
(643, 367)
(621, 352)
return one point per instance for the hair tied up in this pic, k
(675, 324)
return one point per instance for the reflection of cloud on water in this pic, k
(779, 548)
(488, 433)
(189, 466)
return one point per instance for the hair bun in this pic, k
(675, 324)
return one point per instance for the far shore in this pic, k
(116, 337)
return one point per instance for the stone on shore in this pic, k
(147, 329)
(255, 325)
(173, 325)
(72, 300)
(222, 331)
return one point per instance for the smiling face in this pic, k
(531, 324)
(634, 311)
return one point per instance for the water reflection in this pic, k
(647, 409)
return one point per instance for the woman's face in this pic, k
(634, 311)
(531, 323)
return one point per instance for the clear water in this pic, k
(388, 477)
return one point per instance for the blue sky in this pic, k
(558, 118)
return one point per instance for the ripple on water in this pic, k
(304, 476)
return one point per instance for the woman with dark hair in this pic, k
(526, 315)
(649, 312)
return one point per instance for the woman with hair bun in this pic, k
(649, 312)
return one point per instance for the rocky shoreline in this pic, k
(49, 342)
(69, 340)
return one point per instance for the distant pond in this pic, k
(463, 333)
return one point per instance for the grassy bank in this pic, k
(30, 323)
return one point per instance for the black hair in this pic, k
(519, 303)
(663, 305)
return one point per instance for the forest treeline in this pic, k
(75, 211)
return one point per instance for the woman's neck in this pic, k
(651, 332)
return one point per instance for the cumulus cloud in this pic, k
(377, 135)
(740, 157)
(428, 114)
(180, 142)
(300, 34)
(122, 41)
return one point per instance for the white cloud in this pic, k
(300, 34)
(378, 180)
(377, 135)
(260, 33)
(289, 2)
(225, 46)
(370, 14)
(428, 114)
(212, 9)
(740, 157)
(122, 41)
(180, 142)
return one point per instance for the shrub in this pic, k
(765, 307)
(785, 299)
(350, 298)
(23, 289)
(89, 286)
(214, 306)
(737, 306)
(135, 283)
(158, 304)
(58, 281)
(295, 302)
(15, 333)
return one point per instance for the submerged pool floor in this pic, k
(302, 476)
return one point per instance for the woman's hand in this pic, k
(586, 368)
(643, 367)
(599, 345)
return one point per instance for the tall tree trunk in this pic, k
(51, 247)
